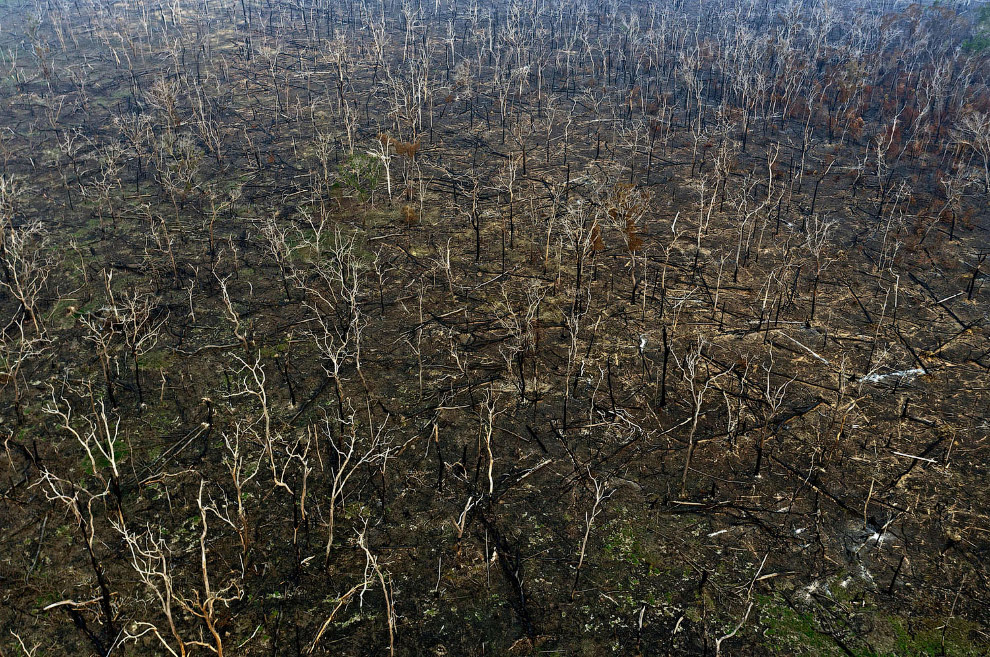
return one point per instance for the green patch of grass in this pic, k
(622, 544)
(274, 350)
(792, 632)
(158, 359)
(923, 637)
(44, 599)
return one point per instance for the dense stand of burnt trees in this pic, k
(455, 327)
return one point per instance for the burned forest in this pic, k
(494, 327)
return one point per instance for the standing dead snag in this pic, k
(818, 240)
(627, 206)
(523, 328)
(372, 567)
(486, 428)
(27, 261)
(17, 351)
(242, 471)
(572, 321)
(475, 216)
(279, 240)
(690, 366)
(407, 150)
(155, 564)
(373, 573)
(80, 501)
(99, 436)
(507, 181)
(141, 326)
(974, 132)
(252, 385)
(351, 453)
(602, 492)
(773, 401)
(243, 333)
(333, 293)
(205, 607)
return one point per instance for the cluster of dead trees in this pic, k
(330, 326)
